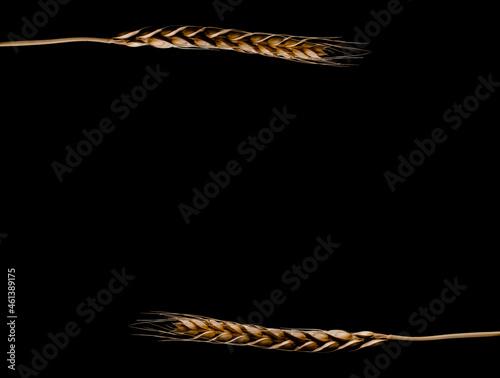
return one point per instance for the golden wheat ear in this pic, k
(327, 51)
(171, 326)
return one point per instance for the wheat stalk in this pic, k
(327, 51)
(172, 326)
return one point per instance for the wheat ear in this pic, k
(327, 51)
(172, 326)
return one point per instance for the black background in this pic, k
(323, 175)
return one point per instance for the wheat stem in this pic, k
(469, 335)
(327, 51)
(40, 42)
(171, 326)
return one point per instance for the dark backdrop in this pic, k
(323, 176)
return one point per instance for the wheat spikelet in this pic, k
(172, 326)
(327, 51)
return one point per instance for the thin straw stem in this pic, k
(471, 335)
(54, 41)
